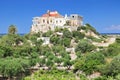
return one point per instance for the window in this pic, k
(43, 21)
(56, 21)
(51, 21)
(60, 21)
(47, 22)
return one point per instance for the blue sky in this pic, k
(104, 15)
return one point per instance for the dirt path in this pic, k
(110, 41)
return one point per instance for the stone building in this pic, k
(53, 19)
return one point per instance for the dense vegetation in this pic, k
(52, 75)
(69, 55)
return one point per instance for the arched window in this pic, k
(43, 21)
(51, 21)
(47, 21)
(60, 21)
(56, 21)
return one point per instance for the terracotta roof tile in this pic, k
(52, 14)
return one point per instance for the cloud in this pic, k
(113, 27)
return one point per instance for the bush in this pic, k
(10, 67)
(67, 33)
(66, 42)
(94, 39)
(113, 50)
(55, 39)
(89, 63)
(89, 27)
(84, 47)
(118, 40)
(114, 67)
(78, 35)
(52, 75)
(47, 34)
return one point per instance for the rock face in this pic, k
(51, 20)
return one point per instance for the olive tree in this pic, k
(84, 46)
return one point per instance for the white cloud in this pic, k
(113, 27)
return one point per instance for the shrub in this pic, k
(84, 46)
(89, 63)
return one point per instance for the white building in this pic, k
(50, 20)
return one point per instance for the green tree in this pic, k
(118, 40)
(57, 49)
(49, 63)
(42, 62)
(6, 51)
(89, 63)
(58, 61)
(12, 40)
(47, 34)
(66, 42)
(11, 67)
(78, 34)
(89, 27)
(44, 50)
(84, 46)
(12, 29)
(114, 66)
(113, 50)
(67, 63)
(67, 33)
(34, 59)
(55, 39)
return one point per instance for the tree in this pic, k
(79, 28)
(12, 29)
(44, 49)
(67, 33)
(67, 63)
(113, 50)
(38, 43)
(12, 40)
(58, 61)
(55, 39)
(89, 27)
(41, 61)
(57, 49)
(5, 51)
(78, 34)
(34, 59)
(49, 63)
(84, 46)
(114, 66)
(89, 63)
(11, 67)
(118, 40)
(47, 34)
(66, 42)
(78, 54)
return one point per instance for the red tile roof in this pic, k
(52, 14)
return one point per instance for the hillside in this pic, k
(60, 53)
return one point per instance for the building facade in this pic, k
(51, 20)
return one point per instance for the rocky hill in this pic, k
(83, 52)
